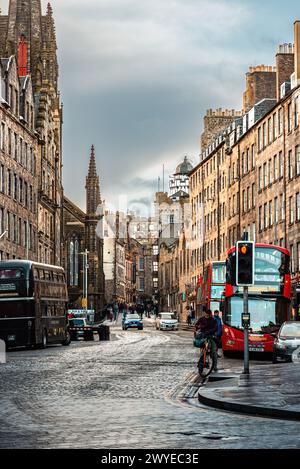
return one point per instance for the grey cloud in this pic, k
(137, 76)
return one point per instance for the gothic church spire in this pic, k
(93, 197)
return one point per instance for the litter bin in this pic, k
(104, 332)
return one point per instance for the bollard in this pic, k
(104, 332)
(2, 351)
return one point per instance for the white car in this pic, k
(166, 322)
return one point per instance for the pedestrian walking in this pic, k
(219, 331)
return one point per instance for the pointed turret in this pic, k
(92, 165)
(93, 197)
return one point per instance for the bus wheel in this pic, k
(67, 340)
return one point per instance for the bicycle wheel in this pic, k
(205, 364)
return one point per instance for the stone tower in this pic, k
(29, 35)
(93, 243)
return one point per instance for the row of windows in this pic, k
(271, 171)
(46, 223)
(48, 185)
(15, 187)
(74, 262)
(207, 168)
(13, 101)
(247, 164)
(6, 256)
(294, 203)
(272, 212)
(294, 162)
(273, 127)
(17, 148)
(19, 231)
(295, 263)
(44, 254)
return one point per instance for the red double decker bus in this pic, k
(269, 300)
(211, 287)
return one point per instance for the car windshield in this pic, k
(290, 330)
(76, 322)
(133, 316)
(167, 316)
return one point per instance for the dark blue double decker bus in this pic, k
(33, 304)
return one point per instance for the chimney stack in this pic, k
(284, 66)
(297, 51)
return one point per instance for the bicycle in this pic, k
(206, 361)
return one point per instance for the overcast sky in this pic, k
(136, 77)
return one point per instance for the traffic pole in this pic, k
(246, 334)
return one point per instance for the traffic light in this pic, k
(245, 263)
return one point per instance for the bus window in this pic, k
(11, 273)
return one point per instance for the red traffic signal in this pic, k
(245, 251)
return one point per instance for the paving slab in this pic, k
(270, 391)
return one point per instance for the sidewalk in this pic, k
(273, 391)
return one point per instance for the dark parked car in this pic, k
(287, 341)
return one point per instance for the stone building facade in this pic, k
(19, 165)
(248, 180)
(30, 36)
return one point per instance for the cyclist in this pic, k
(208, 326)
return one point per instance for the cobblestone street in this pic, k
(122, 394)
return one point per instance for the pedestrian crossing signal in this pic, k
(245, 263)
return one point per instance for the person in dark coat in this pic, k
(207, 325)
(219, 329)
